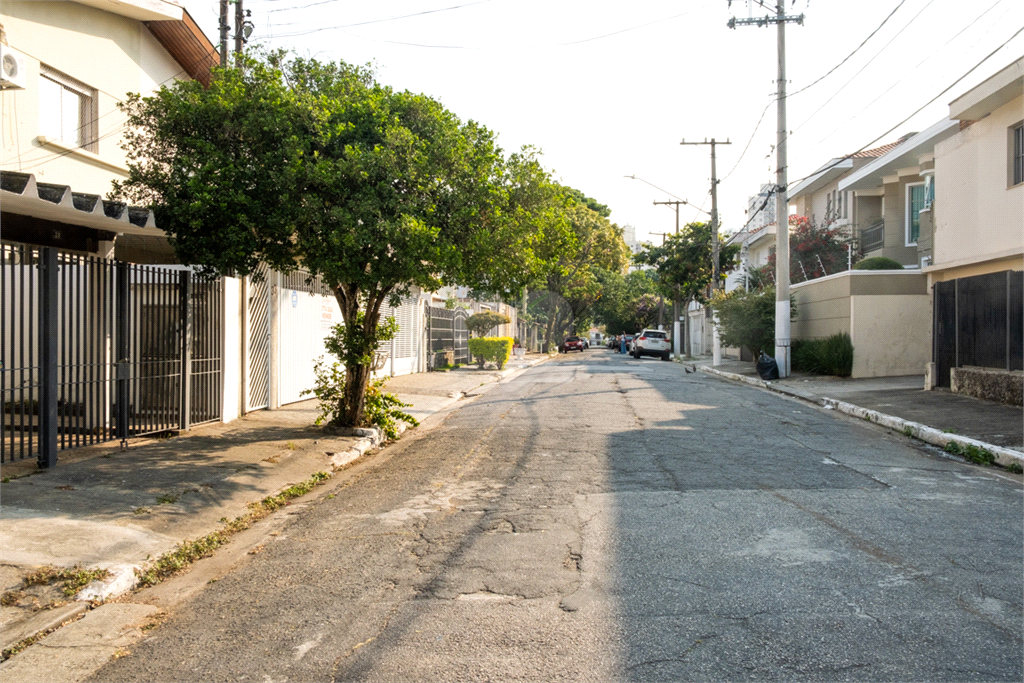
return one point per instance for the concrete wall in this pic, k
(886, 313)
(979, 212)
(112, 54)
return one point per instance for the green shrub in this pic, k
(747, 319)
(829, 356)
(878, 263)
(494, 349)
(481, 323)
(382, 409)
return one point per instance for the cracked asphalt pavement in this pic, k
(605, 518)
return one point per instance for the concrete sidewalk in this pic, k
(996, 425)
(102, 507)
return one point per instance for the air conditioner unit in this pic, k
(12, 69)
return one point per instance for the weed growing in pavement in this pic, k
(976, 454)
(187, 552)
(73, 579)
(908, 431)
(11, 598)
(142, 511)
(291, 446)
(168, 499)
(1015, 467)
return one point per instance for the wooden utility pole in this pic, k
(717, 346)
(239, 32)
(782, 326)
(223, 33)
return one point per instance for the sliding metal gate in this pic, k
(257, 382)
(94, 350)
(448, 334)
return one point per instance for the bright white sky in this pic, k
(608, 89)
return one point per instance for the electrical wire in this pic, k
(372, 21)
(847, 58)
(747, 146)
(815, 82)
(952, 85)
(901, 80)
(470, 47)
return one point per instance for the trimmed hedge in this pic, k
(494, 349)
(829, 356)
(878, 263)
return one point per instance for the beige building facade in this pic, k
(61, 139)
(979, 175)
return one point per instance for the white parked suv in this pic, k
(651, 343)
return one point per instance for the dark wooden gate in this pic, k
(978, 321)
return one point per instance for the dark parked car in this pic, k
(571, 344)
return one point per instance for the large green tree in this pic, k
(295, 162)
(571, 259)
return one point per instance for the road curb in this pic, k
(936, 437)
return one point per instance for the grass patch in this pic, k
(168, 499)
(187, 552)
(72, 579)
(1015, 467)
(976, 454)
(142, 511)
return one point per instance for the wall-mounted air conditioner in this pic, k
(12, 69)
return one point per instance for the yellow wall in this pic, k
(113, 54)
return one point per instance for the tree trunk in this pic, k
(352, 406)
(552, 321)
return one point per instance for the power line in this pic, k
(815, 82)
(905, 77)
(847, 58)
(470, 47)
(913, 114)
(865, 66)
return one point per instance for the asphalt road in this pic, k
(599, 518)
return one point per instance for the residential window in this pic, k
(1018, 155)
(915, 203)
(67, 110)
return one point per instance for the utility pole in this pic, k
(239, 40)
(717, 345)
(782, 326)
(223, 33)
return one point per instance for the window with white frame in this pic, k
(67, 110)
(914, 205)
(1018, 154)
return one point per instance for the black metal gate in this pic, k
(94, 350)
(978, 321)
(448, 334)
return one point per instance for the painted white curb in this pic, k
(1004, 456)
(122, 579)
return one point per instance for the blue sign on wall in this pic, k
(295, 299)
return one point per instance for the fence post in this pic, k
(123, 349)
(185, 303)
(48, 302)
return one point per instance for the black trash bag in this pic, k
(767, 368)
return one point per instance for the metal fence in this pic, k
(95, 350)
(448, 334)
(978, 321)
(873, 236)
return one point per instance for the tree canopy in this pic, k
(684, 262)
(299, 163)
